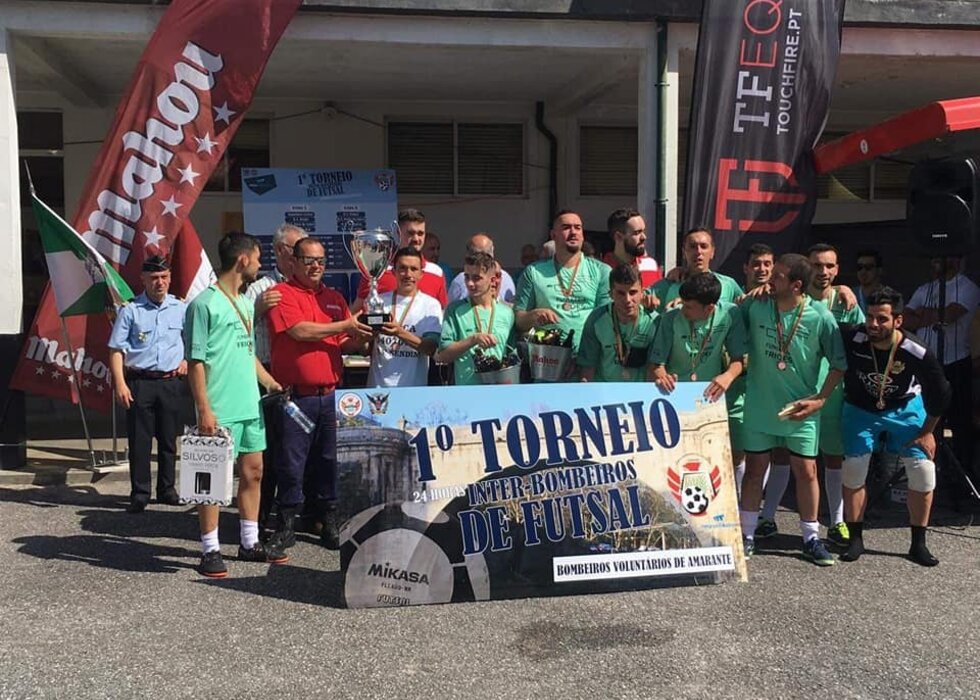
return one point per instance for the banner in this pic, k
(762, 84)
(191, 88)
(480, 493)
(324, 202)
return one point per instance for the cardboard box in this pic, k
(207, 468)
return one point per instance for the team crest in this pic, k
(384, 181)
(898, 367)
(695, 485)
(379, 403)
(350, 404)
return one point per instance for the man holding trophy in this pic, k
(401, 349)
(311, 327)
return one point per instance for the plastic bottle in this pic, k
(296, 413)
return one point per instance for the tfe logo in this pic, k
(754, 174)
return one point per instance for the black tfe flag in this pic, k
(765, 69)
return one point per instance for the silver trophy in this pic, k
(372, 252)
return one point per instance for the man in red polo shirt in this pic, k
(627, 230)
(311, 327)
(411, 232)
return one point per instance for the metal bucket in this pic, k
(507, 375)
(548, 362)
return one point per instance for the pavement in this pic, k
(97, 603)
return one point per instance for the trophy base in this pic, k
(376, 320)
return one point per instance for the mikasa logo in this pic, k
(387, 571)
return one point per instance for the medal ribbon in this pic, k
(476, 317)
(696, 358)
(241, 317)
(394, 305)
(617, 332)
(784, 346)
(888, 368)
(567, 293)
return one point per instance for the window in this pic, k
(607, 160)
(457, 158)
(40, 140)
(891, 178)
(852, 182)
(248, 149)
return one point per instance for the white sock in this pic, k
(833, 481)
(775, 488)
(249, 533)
(739, 475)
(209, 541)
(749, 519)
(809, 530)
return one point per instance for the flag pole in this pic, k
(78, 390)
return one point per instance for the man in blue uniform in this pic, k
(146, 357)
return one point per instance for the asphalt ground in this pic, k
(98, 603)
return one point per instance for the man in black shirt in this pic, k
(896, 386)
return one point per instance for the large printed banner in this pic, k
(188, 94)
(762, 84)
(327, 203)
(480, 493)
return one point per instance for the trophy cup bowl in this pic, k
(372, 252)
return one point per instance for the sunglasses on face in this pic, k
(310, 260)
(867, 266)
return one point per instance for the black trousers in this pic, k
(272, 412)
(155, 413)
(959, 416)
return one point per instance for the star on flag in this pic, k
(153, 237)
(39, 369)
(222, 113)
(205, 144)
(99, 387)
(187, 174)
(170, 206)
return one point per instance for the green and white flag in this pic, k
(84, 282)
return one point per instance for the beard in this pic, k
(637, 250)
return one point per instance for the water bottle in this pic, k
(296, 413)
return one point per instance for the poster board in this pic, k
(326, 203)
(487, 492)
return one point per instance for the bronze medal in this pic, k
(781, 366)
(694, 377)
(567, 306)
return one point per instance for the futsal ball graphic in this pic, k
(694, 500)
(408, 554)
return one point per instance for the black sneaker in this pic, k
(136, 507)
(330, 534)
(263, 553)
(281, 539)
(212, 565)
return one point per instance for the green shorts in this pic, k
(831, 437)
(736, 421)
(247, 435)
(802, 442)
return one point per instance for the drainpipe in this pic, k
(552, 161)
(661, 214)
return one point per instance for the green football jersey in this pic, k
(598, 349)
(668, 291)
(458, 322)
(540, 287)
(834, 304)
(770, 388)
(698, 348)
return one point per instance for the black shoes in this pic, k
(269, 552)
(212, 565)
(284, 535)
(136, 507)
(330, 534)
(169, 498)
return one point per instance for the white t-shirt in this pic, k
(393, 363)
(961, 291)
(457, 289)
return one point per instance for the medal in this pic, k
(784, 344)
(696, 357)
(880, 404)
(623, 343)
(567, 292)
(241, 317)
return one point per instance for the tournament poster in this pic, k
(455, 494)
(329, 203)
